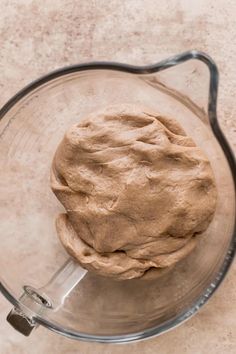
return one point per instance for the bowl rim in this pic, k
(212, 115)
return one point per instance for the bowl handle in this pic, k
(35, 302)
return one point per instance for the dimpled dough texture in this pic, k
(137, 192)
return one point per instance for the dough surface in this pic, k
(137, 192)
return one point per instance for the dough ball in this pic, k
(137, 192)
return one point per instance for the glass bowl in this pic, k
(32, 124)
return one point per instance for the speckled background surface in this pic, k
(39, 36)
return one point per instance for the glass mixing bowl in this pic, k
(32, 124)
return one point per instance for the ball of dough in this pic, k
(137, 192)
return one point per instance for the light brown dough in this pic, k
(136, 191)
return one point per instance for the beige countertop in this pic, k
(39, 36)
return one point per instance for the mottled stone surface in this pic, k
(38, 36)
